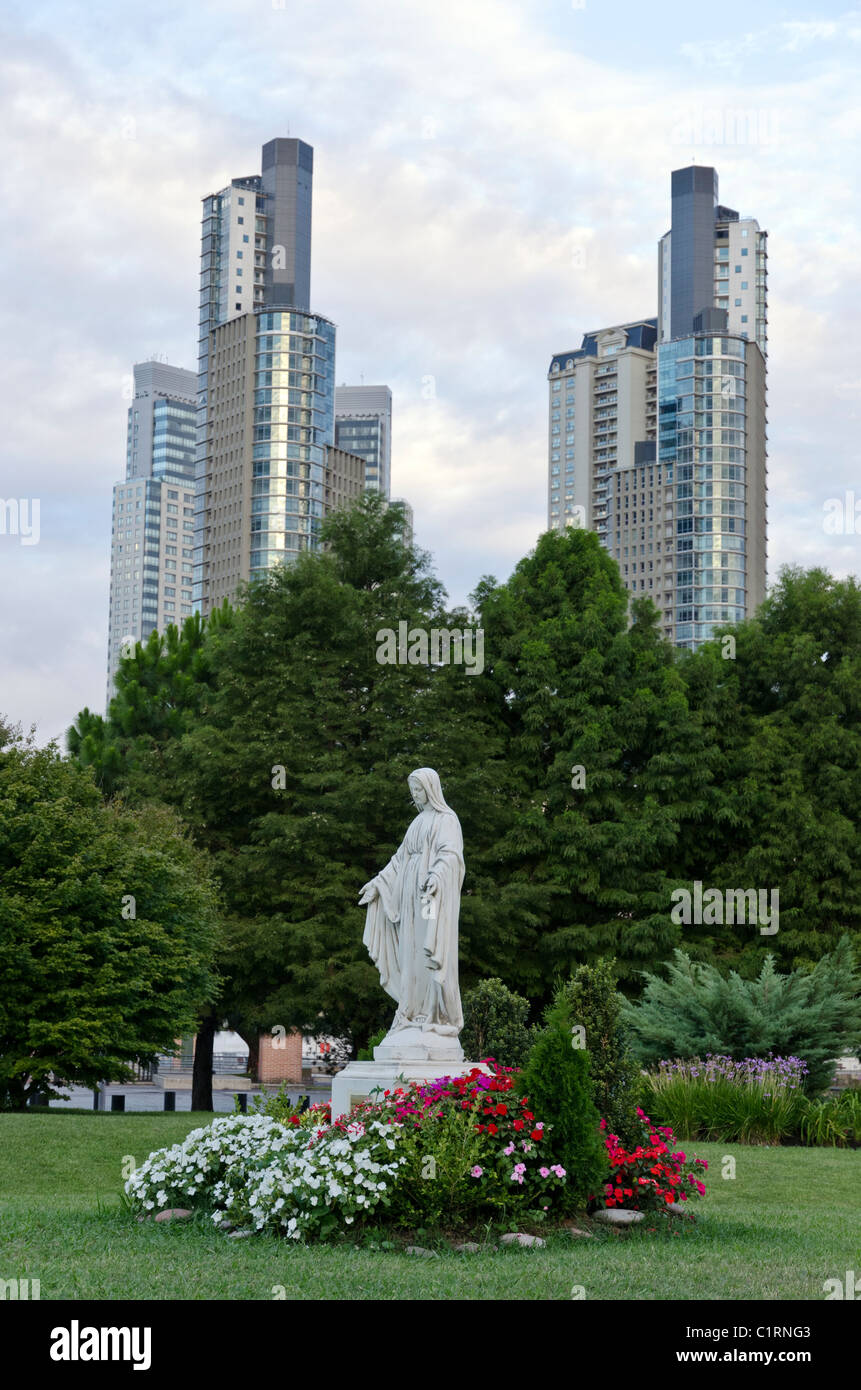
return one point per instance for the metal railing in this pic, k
(223, 1064)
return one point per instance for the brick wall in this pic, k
(280, 1057)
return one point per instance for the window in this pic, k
(738, 303)
(744, 250)
(744, 284)
(744, 318)
(241, 221)
(173, 495)
(239, 258)
(738, 270)
(241, 202)
(245, 236)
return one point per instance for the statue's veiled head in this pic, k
(425, 789)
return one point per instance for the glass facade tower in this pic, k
(363, 426)
(152, 527)
(294, 372)
(255, 254)
(709, 453)
(668, 466)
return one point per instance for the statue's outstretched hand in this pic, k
(368, 893)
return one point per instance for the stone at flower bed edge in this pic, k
(618, 1216)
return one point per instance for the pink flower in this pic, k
(545, 1172)
(510, 1150)
(558, 1170)
(476, 1172)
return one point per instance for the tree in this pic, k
(496, 1024)
(291, 770)
(786, 797)
(812, 1014)
(159, 686)
(608, 757)
(107, 927)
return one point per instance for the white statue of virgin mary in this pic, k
(411, 928)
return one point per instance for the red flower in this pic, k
(502, 1109)
(518, 1124)
(536, 1134)
(492, 1129)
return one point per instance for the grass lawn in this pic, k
(789, 1220)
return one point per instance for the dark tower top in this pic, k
(288, 172)
(695, 198)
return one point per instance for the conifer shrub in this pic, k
(813, 1014)
(557, 1081)
(596, 1007)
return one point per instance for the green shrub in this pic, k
(366, 1054)
(557, 1081)
(834, 1120)
(472, 1149)
(814, 1015)
(287, 1112)
(596, 1007)
(435, 1185)
(495, 1024)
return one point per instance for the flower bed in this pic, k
(757, 1100)
(452, 1152)
(255, 1173)
(650, 1175)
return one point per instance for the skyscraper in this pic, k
(682, 508)
(153, 508)
(266, 456)
(710, 258)
(602, 399)
(363, 425)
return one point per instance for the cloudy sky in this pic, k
(491, 178)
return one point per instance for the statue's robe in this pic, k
(416, 955)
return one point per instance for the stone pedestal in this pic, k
(359, 1079)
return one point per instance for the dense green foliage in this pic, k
(596, 1007)
(496, 1024)
(158, 688)
(556, 1079)
(785, 806)
(594, 770)
(760, 1112)
(107, 927)
(814, 1015)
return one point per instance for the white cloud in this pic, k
(487, 189)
